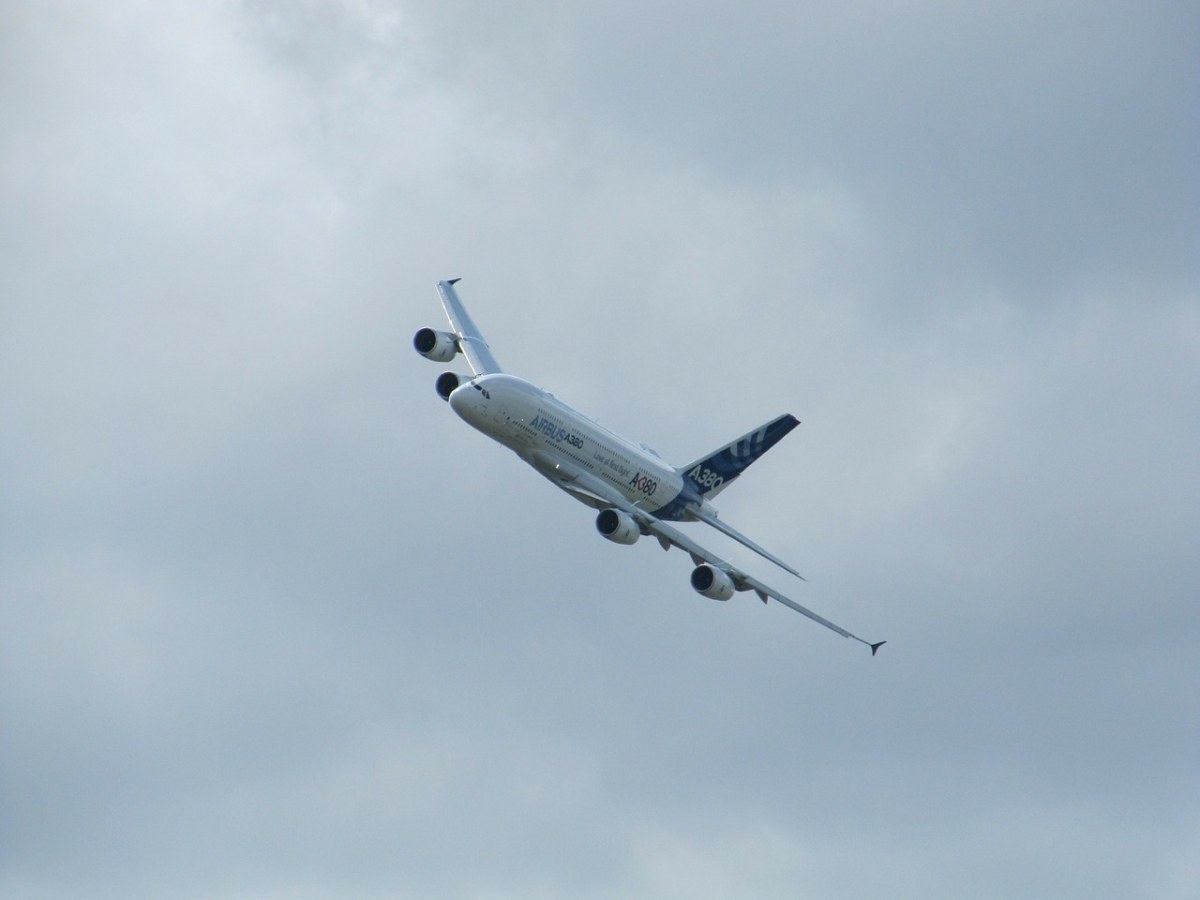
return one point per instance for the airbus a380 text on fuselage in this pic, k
(636, 492)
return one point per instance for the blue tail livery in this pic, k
(713, 473)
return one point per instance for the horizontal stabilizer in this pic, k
(744, 541)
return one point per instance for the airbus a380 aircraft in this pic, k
(636, 492)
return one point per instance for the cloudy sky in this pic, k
(275, 623)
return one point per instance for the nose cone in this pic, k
(460, 399)
(468, 403)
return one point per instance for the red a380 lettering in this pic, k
(643, 483)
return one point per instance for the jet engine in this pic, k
(618, 526)
(440, 346)
(711, 582)
(447, 382)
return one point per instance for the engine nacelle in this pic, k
(711, 582)
(440, 346)
(619, 527)
(447, 383)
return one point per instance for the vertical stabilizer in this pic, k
(713, 473)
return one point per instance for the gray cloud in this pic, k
(274, 623)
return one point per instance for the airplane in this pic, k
(636, 492)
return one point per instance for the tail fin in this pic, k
(713, 473)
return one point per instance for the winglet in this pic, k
(875, 647)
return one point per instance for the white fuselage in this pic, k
(543, 431)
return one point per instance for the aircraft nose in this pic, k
(459, 399)
(467, 403)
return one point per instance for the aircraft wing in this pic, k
(583, 485)
(470, 341)
(667, 535)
